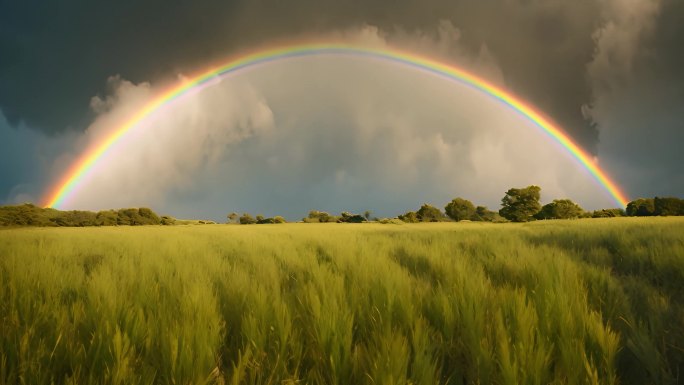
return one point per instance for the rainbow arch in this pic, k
(88, 162)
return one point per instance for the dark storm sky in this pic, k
(601, 68)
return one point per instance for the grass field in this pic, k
(562, 302)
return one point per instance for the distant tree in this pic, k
(409, 217)
(460, 209)
(560, 209)
(148, 216)
(346, 217)
(106, 218)
(642, 207)
(247, 219)
(30, 215)
(668, 206)
(264, 221)
(127, 217)
(279, 219)
(521, 204)
(168, 220)
(75, 218)
(367, 214)
(429, 213)
(316, 216)
(608, 213)
(233, 217)
(484, 214)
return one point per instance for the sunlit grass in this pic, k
(562, 302)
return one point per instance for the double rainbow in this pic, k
(88, 162)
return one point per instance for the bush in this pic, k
(390, 221)
(608, 213)
(346, 217)
(106, 218)
(668, 206)
(429, 213)
(167, 220)
(319, 217)
(483, 214)
(560, 209)
(247, 219)
(279, 219)
(148, 216)
(409, 217)
(460, 209)
(642, 207)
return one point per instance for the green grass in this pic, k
(560, 302)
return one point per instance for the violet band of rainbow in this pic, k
(88, 162)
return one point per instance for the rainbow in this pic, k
(88, 162)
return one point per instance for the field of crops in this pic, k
(565, 302)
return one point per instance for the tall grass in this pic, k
(553, 302)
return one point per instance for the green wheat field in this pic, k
(595, 301)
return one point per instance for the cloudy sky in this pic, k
(339, 133)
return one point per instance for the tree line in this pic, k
(517, 205)
(31, 215)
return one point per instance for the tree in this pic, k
(167, 220)
(560, 209)
(106, 218)
(642, 207)
(232, 217)
(367, 214)
(460, 209)
(668, 206)
(409, 217)
(247, 219)
(521, 204)
(608, 213)
(346, 217)
(279, 219)
(128, 217)
(148, 216)
(429, 213)
(316, 216)
(484, 214)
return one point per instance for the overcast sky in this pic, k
(340, 134)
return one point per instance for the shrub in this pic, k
(247, 219)
(460, 209)
(642, 207)
(316, 216)
(560, 209)
(346, 217)
(429, 213)
(608, 213)
(409, 217)
(668, 206)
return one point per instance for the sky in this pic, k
(340, 134)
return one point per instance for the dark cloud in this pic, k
(27, 159)
(639, 98)
(61, 53)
